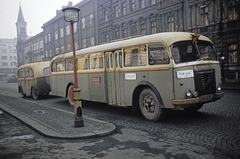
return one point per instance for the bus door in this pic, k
(29, 80)
(113, 78)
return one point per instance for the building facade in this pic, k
(8, 57)
(108, 20)
(33, 48)
(57, 32)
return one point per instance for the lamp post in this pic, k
(71, 14)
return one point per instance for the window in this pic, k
(91, 19)
(158, 54)
(56, 35)
(62, 49)
(106, 37)
(60, 66)
(92, 41)
(124, 9)
(41, 44)
(49, 37)
(82, 63)
(46, 71)
(124, 33)
(61, 32)
(116, 11)
(232, 9)
(133, 6)
(83, 23)
(4, 57)
(96, 61)
(69, 64)
(153, 27)
(117, 35)
(204, 15)
(143, 29)
(84, 43)
(232, 53)
(142, 4)
(105, 15)
(75, 27)
(4, 64)
(135, 56)
(133, 31)
(170, 24)
(67, 30)
(153, 2)
(3, 51)
(45, 38)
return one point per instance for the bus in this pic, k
(34, 79)
(151, 73)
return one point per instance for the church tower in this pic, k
(21, 36)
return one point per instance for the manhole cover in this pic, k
(39, 111)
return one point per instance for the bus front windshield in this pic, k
(186, 51)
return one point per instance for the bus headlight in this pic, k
(195, 94)
(189, 94)
(219, 89)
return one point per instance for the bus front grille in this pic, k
(205, 82)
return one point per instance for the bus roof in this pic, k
(37, 67)
(41, 64)
(168, 38)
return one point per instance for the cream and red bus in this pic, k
(151, 73)
(34, 79)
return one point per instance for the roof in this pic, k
(167, 38)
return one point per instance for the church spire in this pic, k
(21, 25)
(20, 15)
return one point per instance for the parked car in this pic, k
(11, 78)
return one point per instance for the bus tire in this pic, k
(34, 94)
(71, 102)
(195, 108)
(150, 105)
(23, 95)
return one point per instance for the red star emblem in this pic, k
(195, 36)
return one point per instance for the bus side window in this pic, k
(143, 56)
(116, 59)
(94, 63)
(158, 54)
(46, 71)
(60, 66)
(21, 73)
(111, 60)
(82, 63)
(31, 74)
(69, 66)
(100, 62)
(54, 67)
(120, 59)
(127, 57)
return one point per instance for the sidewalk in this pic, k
(231, 85)
(53, 122)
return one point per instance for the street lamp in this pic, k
(71, 14)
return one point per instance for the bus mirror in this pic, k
(222, 58)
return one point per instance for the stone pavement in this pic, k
(55, 123)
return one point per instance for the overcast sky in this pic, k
(35, 12)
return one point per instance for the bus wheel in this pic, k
(150, 105)
(194, 108)
(21, 92)
(70, 100)
(34, 94)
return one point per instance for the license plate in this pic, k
(206, 98)
(185, 74)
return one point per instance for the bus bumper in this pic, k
(201, 99)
